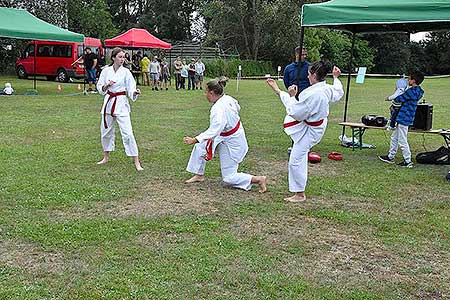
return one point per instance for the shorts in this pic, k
(154, 76)
(91, 74)
(165, 77)
(198, 78)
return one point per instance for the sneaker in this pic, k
(386, 159)
(404, 164)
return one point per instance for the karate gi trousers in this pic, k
(228, 165)
(304, 140)
(108, 134)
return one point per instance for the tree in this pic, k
(392, 52)
(437, 49)
(91, 18)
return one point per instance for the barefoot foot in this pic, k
(139, 167)
(196, 178)
(262, 181)
(296, 198)
(103, 161)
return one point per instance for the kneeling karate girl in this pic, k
(225, 136)
(306, 121)
(116, 83)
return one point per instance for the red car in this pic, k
(55, 60)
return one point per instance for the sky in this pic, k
(417, 37)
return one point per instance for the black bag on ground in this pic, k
(439, 157)
(374, 120)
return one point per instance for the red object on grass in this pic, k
(335, 156)
(314, 158)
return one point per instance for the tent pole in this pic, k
(84, 69)
(302, 29)
(349, 78)
(34, 65)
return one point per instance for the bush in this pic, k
(229, 68)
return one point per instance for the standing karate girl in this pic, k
(225, 135)
(116, 83)
(306, 121)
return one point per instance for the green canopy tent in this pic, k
(20, 24)
(371, 16)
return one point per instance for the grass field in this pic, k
(70, 229)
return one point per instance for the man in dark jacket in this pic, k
(296, 73)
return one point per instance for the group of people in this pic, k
(305, 123)
(155, 72)
(192, 72)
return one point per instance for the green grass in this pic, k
(70, 229)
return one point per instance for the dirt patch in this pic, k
(32, 259)
(161, 198)
(328, 254)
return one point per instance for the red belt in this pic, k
(209, 143)
(314, 124)
(114, 97)
(228, 133)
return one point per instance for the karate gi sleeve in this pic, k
(299, 111)
(130, 85)
(337, 91)
(286, 99)
(217, 123)
(101, 82)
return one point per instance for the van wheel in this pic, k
(51, 77)
(62, 76)
(21, 73)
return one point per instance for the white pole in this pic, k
(238, 78)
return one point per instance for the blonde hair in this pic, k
(217, 85)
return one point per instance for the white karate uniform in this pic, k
(124, 81)
(224, 116)
(312, 106)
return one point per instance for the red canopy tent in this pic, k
(137, 38)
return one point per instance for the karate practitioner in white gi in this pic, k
(225, 137)
(116, 83)
(306, 121)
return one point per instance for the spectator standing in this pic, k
(127, 62)
(154, 69)
(199, 72)
(136, 66)
(406, 104)
(296, 73)
(191, 74)
(145, 63)
(184, 74)
(178, 66)
(90, 64)
(165, 74)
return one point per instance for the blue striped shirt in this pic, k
(408, 105)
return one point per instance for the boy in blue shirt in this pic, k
(406, 104)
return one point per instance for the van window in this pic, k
(54, 50)
(29, 51)
(94, 49)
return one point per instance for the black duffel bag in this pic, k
(439, 157)
(374, 120)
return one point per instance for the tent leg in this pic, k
(85, 74)
(349, 78)
(34, 66)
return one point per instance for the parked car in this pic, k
(55, 60)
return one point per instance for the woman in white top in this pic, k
(225, 135)
(116, 83)
(306, 121)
